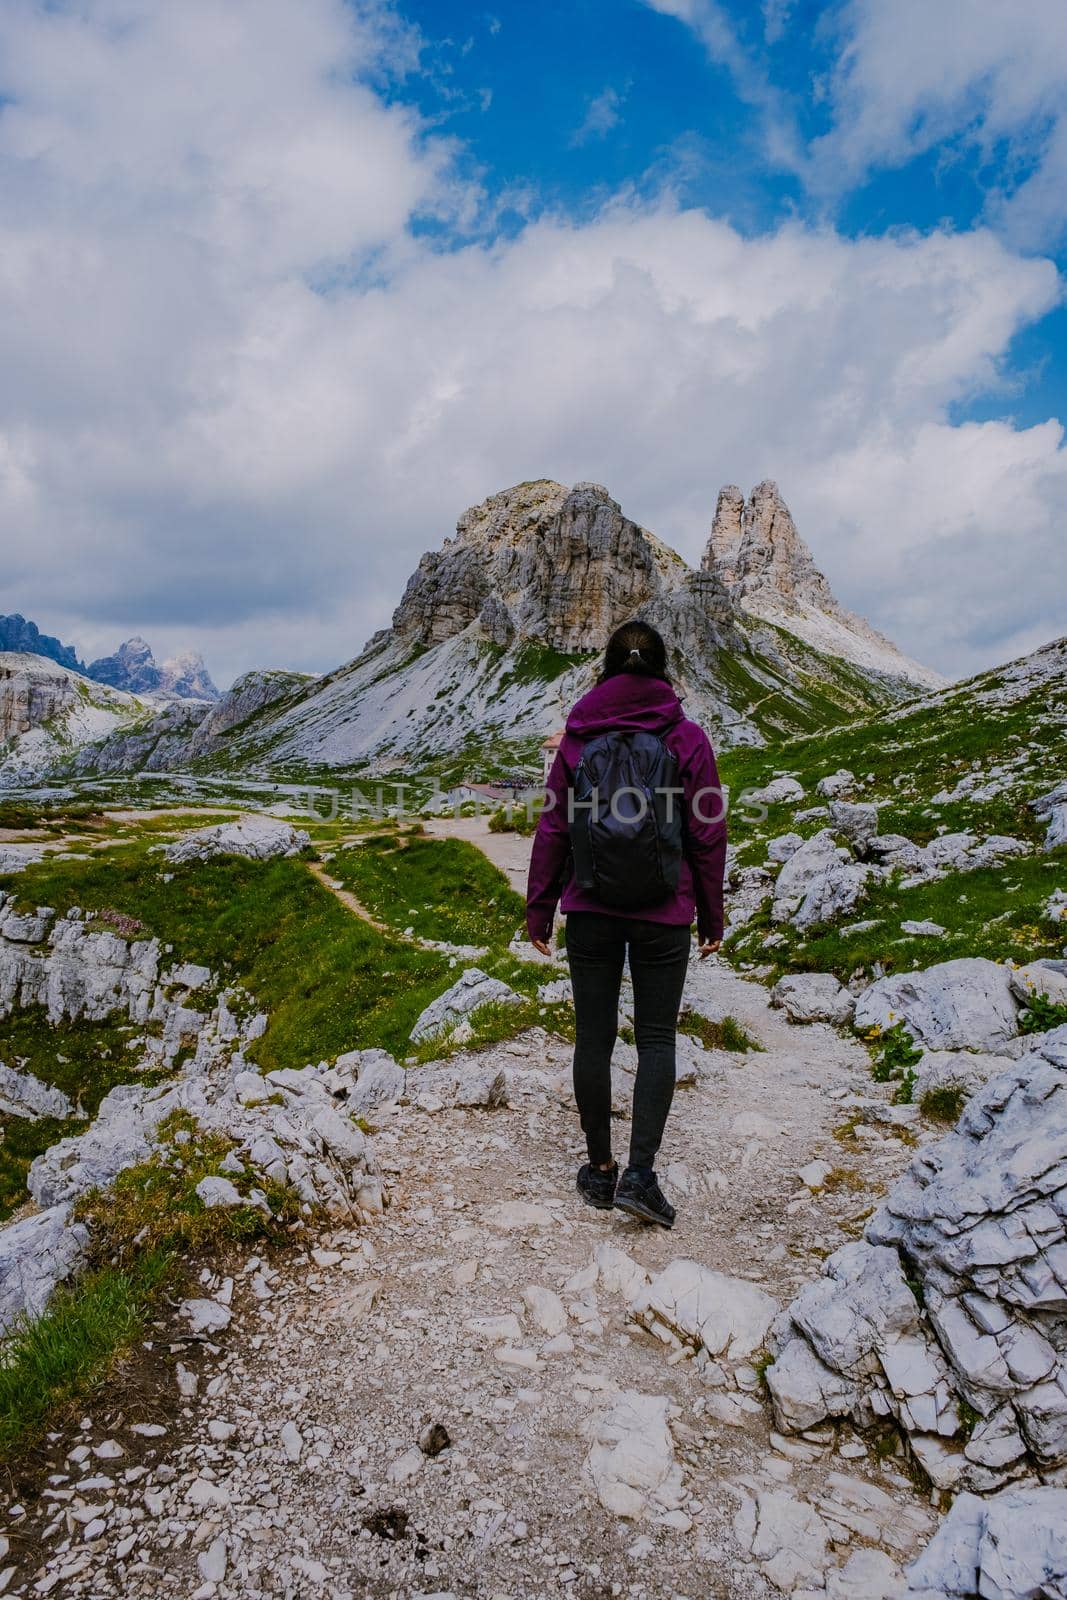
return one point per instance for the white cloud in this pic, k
(233, 412)
(603, 113)
(911, 75)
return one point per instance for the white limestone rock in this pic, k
(257, 837)
(452, 1010)
(24, 1095)
(462, 1081)
(1047, 979)
(775, 793)
(1012, 1546)
(922, 929)
(371, 1078)
(727, 1317)
(784, 846)
(967, 1004)
(818, 883)
(631, 1460)
(858, 821)
(964, 1069)
(813, 997)
(979, 1225)
(1051, 808)
(36, 1254)
(786, 1537)
(1055, 907)
(836, 783)
(120, 1136)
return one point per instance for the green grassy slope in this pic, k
(967, 759)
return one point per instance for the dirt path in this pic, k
(477, 1302)
(346, 897)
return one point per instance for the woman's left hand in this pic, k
(709, 947)
(539, 944)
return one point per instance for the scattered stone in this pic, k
(205, 1316)
(450, 1013)
(787, 1538)
(836, 783)
(777, 792)
(815, 1174)
(545, 1308)
(819, 883)
(433, 1439)
(631, 1460)
(813, 997)
(923, 930)
(728, 1317)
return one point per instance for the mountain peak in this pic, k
(758, 553)
(134, 667)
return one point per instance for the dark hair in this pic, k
(637, 648)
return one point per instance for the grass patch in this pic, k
(83, 1059)
(60, 1358)
(1040, 1014)
(945, 1103)
(725, 1033)
(443, 888)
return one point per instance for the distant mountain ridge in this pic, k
(23, 637)
(132, 667)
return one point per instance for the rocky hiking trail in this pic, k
(463, 1397)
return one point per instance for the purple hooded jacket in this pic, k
(633, 701)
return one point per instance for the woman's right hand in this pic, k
(709, 948)
(539, 944)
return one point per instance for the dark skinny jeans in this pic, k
(659, 955)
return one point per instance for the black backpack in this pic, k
(627, 819)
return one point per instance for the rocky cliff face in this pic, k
(30, 693)
(47, 713)
(20, 635)
(246, 698)
(768, 571)
(539, 562)
(133, 667)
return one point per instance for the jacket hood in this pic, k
(629, 700)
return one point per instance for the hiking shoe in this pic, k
(639, 1195)
(598, 1188)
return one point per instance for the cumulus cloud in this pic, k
(233, 413)
(603, 113)
(910, 75)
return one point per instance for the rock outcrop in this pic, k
(246, 697)
(950, 1316)
(256, 837)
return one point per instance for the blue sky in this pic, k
(288, 287)
(562, 103)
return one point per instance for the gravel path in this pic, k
(285, 1461)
